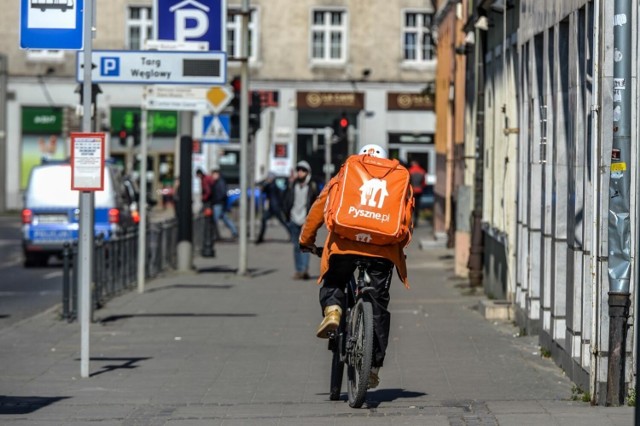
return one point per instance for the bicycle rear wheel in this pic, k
(336, 344)
(360, 352)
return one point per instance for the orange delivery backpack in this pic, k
(371, 201)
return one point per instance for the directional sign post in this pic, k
(55, 25)
(154, 67)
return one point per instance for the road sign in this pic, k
(175, 98)
(215, 128)
(191, 20)
(176, 45)
(219, 97)
(154, 67)
(52, 24)
(87, 161)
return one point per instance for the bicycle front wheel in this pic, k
(360, 352)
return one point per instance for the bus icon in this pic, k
(43, 5)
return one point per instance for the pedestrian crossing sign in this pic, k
(216, 128)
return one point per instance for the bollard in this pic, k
(112, 265)
(66, 279)
(207, 237)
(74, 283)
(618, 314)
(98, 261)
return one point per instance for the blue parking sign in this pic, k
(109, 66)
(52, 24)
(191, 20)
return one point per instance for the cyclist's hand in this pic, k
(307, 249)
(311, 249)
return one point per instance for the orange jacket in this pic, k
(338, 245)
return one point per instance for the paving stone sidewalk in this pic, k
(214, 348)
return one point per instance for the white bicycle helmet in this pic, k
(373, 150)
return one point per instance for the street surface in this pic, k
(24, 292)
(214, 348)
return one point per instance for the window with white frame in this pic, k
(328, 35)
(139, 27)
(234, 33)
(417, 45)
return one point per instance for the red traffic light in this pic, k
(236, 84)
(344, 123)
(123, 134)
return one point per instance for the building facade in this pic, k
(551, 120)
(311, 62)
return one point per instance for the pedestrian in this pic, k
(273, 197)
(300, 195)
(340, 252)
(206, 196)
(219, 201)
(206, 183)
(176, 196)
(418, 177)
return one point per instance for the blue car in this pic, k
(51, 211)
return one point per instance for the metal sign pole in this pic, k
(85, 241)
(142, 203)
(244, 138)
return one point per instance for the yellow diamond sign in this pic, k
(219, 97)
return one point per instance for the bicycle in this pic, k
(352, 342)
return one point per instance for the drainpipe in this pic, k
(619, 265)
(476, 252)
(595, 207)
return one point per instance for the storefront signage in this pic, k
(41, 120)
(160, 123)
(331, 100)
(409, 102)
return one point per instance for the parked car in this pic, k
(51, 211)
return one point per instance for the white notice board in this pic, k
(87, 161)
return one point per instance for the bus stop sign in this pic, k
(51, 24)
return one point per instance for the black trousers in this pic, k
(268, 214)
(332, 292)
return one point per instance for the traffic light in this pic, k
(234, 119)
(340, 127)
(135, 131)
(123, 134)
(255, 111)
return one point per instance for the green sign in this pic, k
(159, 123)
(41, 121)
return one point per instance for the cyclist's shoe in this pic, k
(330, 322)
(374, 379)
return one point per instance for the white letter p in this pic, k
(182, 16)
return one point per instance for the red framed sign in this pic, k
(87, 161)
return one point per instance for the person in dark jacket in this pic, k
(418, 182)
(273, 197)
(300, 195)
(219, 201)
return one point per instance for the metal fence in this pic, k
(115, 264)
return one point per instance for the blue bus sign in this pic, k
(52, 24)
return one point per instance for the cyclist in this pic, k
(337, 267)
